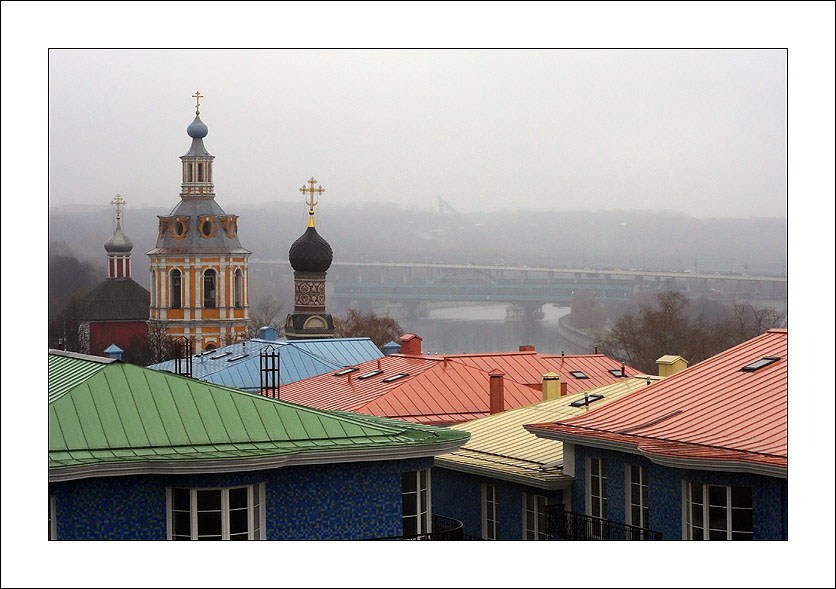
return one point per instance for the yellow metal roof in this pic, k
(669, 359)
(500, 447)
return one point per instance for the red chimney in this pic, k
(497, 390)
(526, 348)
(563, 389)
(411, 344)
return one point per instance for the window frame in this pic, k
(179, 290)
(688, 488)
(490, 525)
(538, 534)
(238, 288)
(256, 512)
(419, 489)
(643, 498)
(602, 493)
(53, 524)
(213, 290)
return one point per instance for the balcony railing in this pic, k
(566, 525)
(443, 528)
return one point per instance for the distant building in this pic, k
(138, 454)
(199, 269)
(116, 310)
(701, 455)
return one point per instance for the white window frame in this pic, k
(256, 518)
(596, 529)
(539, 534)
(687, 524)
(53, 526)
(628, 496)
(490, 528)
(418, 490)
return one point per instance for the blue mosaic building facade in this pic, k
(348, 501)
(665, 493)
(459, 495)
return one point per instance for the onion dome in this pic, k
(311, 253)
(198, 129)
(118, 242)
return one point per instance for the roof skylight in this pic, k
(221, 355)
(369, 374)
(578, 374)
(238, 357)
(346, 371)
(398, 376)
(757, 364)
(582, 402)
(617, 372)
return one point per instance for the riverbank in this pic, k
(574, 335)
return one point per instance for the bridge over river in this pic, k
(412, 285)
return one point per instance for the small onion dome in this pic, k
(118, 242)
(197, 129)
(310, 253)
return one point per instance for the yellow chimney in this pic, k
(671, 364)
(551, 386)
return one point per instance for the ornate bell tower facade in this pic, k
(198, 267)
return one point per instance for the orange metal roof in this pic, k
(528, 368)
(711, 411)
(435, 392)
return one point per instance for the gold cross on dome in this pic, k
(311, 195)
(198, 97)
(118, 202)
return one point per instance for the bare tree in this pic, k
(267, 312)
(380, 330)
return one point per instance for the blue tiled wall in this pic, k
(324, 502)
(459, 495)
(769, 495)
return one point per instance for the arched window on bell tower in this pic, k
(210, 279)
(176, 290)
(239, 289)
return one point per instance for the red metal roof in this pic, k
(528, 368)
(710, 411)
(435, 392)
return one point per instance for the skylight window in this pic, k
(582, 402)
(346, 371)
(395, 377)
(617, 372)
(221, 355)
(578, 374)
(369, 374)
(757, 364)
(238, 357)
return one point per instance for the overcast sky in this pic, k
(701, 132)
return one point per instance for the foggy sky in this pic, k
(701, 132)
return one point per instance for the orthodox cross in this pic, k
(311, 195)
(118, 203)
(198, 97)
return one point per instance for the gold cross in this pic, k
(311, 194)
(118, 202)
(197, 106)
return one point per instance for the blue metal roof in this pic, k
(298, 359)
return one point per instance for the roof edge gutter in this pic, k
(565, 482)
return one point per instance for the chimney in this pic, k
(497, 391)
(564, 389)
(267, 333)
(623, 374)
(113, 351)
(671, 364)
(391, 348)
(551, 386)
(596, 349)
(526, 348)
(411, 344)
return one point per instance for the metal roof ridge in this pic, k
(80, 356)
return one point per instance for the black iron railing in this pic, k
(566, 525)
(443, 528)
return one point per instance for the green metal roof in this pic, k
(67, 369)
(121, 414)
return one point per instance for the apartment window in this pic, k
(490, 513)
(231, 513)
(714, 512)
(534, 517)
(637, 507)
(210, 279)
(175, 300)
(596, 493)
(52, 524)
(239, 289)
(415, 502)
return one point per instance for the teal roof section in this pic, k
(298, 359)
(120, 415)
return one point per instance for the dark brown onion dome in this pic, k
(310, 253)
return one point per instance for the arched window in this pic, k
(176, 289)
(210, 279)
(153, 288)
(239, 289)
